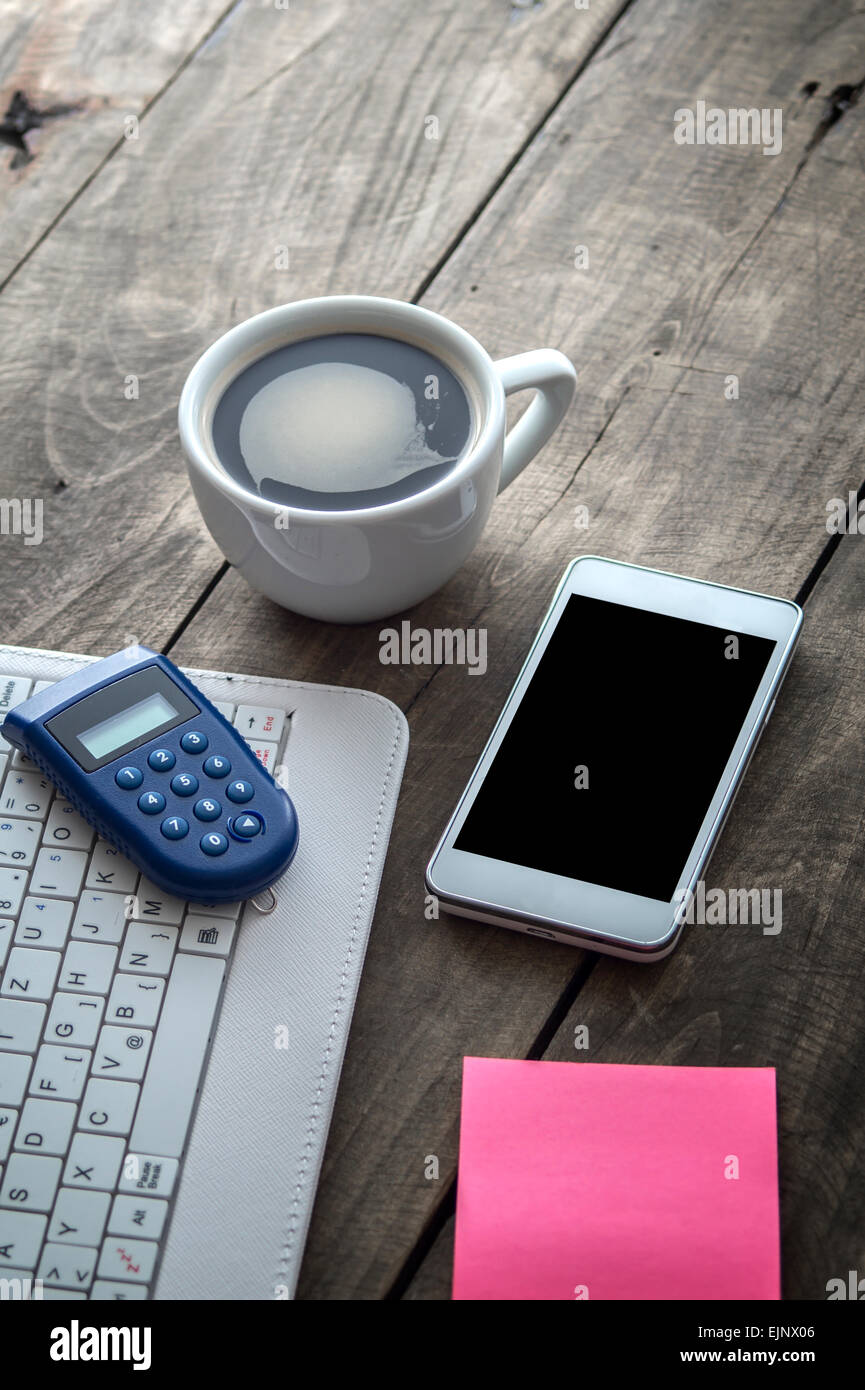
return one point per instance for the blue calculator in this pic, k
(151, 764)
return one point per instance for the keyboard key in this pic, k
(122, 1258)
(30, 974)
(60, 1072)
(44, 922)
(108, 1106)
(134, 1216)
(30, 1182)
(14, 1071)
(257, 722)
(13, 689)
(7, 931)
(19, 840)
(26, 794)
(19, 759)
(177, 1055)
(67, 828)
(230, 911)
(74, 1018)
(45, 1127)
(94, 1162)
(13, 884)
(265, 752)
(100, 917)
(59, 873)
(67, 1266)
(21, 1235)
(105, 1289)
(122, 1053)
(207, 935)
(87, 968)
(111, 869)
(78, 1217)
(52, 1295)
(148, 949)
(135, 1001)
(155, 905)
(143, 1173)
(20, 1025)
(8, 1120)
(226, 710)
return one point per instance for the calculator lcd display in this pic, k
(128, 725)
(117, 718)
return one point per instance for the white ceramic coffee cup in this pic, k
(354, 566)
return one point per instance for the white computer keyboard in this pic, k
(109, 991)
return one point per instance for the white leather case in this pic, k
(258, 1137)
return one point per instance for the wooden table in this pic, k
(193, 164)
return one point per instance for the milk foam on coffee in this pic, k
(342, 421)
(334, 427)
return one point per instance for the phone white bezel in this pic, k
(574, 910)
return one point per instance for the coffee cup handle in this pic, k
(553, 378)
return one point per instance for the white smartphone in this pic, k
(605, 784)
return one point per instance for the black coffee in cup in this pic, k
(341, 422)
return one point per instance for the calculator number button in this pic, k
(207, 809)
(151, 803)
(129, 778)
(217, 766)
(214, 843)
(194, 742)
(240, 791)
(174, 827)
(184, 784)
(161, 760)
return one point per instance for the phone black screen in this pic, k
(617, 748)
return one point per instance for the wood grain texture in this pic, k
(80, 71)
(301, 129)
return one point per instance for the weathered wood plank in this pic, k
(694, 247)
(303, 129)
(71, 76)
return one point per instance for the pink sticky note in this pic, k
(585, 1180)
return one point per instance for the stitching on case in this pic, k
(293, 1222)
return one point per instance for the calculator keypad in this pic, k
(185, 783)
